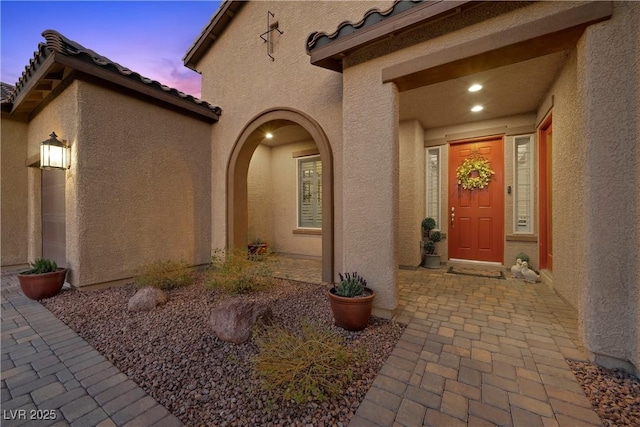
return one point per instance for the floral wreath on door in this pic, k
(474, 172)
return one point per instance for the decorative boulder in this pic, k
(146, 299)
(232, 320)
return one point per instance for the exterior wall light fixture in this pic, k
(54, 154)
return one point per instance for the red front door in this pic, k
(476, 216)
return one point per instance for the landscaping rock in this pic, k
(146, 299)
(233, 320)
(173, 354)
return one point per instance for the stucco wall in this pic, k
(238, 75)
(357, 123)
(60, 116)
(141, 190)
(14, 195)
(260, 191)
(362, 82)
(568, 193)
(412, 192)
(609, 94)
(371, 193)
(272, 199)
(285, 219)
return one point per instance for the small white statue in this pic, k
(516, 270)
(530, 276)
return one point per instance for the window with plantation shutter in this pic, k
(523, 206)
(310, 192)
(433, 185)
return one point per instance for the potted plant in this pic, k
(351, 302)
(43, 280)
(524, 258)
(257, 247)
(430, 258)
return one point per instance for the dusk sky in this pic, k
(148, 37)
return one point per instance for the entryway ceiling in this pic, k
(514, 89)
(287, 135)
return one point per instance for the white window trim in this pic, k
(531, 180)
(297, 207)
(426, 183)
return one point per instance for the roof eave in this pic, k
(136, 86)
(84, 68)
(22, 93)
(330, 55)
(211, 32)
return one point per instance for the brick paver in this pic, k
(476, 352)
(51, 376)
(493, 353)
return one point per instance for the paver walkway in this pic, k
(479, 352)
(51, 376)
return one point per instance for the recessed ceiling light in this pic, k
(475, 87)
(269, 135)
(477, 108)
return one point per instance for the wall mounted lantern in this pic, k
(54, 154)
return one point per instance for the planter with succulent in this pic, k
(43, 280)
(430, 259)
(257, 247)
(351, 302)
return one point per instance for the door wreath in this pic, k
(474, 172)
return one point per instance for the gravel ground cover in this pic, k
(172, 353)
(614, 394)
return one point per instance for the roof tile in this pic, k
(56, 42)
(5, 92)
(372, 16)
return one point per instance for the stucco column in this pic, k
(411, 192)
(34, 214)
(370, 182)
(609, 92)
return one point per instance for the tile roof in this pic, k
(59, 44)
(372, 16)
(220, 20)
(5, 92)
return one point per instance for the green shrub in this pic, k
(311, 364)
(430, 247)
(428, 224)
(41, 266)
(351, 285)
(523, 257)
(433, 237)
(233, 271)
(165, 275)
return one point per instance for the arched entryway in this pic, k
(238, 167)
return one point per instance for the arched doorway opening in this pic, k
(238, 205)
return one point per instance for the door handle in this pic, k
(453, 215)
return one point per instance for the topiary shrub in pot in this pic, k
(351, 302)
(430, 259)
(43, 280)
(523, 257)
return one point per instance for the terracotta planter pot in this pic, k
(260, 249)
(40, 286)
(352, 314)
